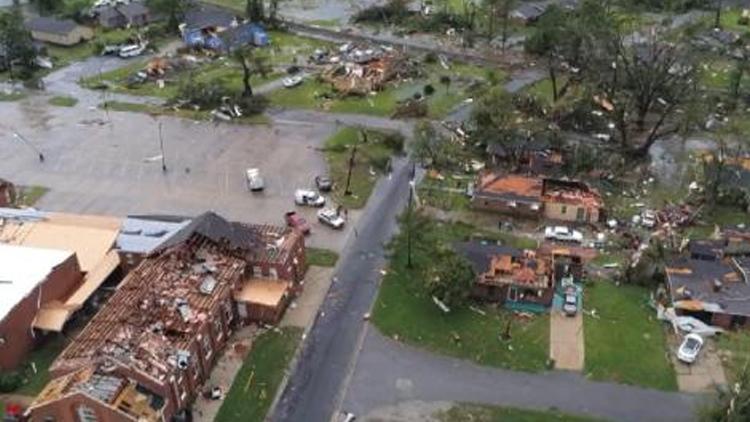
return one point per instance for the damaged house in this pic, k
(146, 354)
(518, 279)
(717, 291)
(534, 197)
(53, 265)
(362, 71)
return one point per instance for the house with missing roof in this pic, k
(536, 197)
(715, 291)
(51, 268)
(518, 279)
(58, 31)
(146, 354)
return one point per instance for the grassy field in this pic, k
(62, 101)
(625, 344)
(285, 50)
(735, 350)
(443, 194)
(404, 311)
(314, 94)
(321, 257)
(12, 96)
(29, 195)
(372, 155)
(236, 5)
(480, 413)
(258, 119)
(256, 383)
(42, 358)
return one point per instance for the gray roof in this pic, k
(699, 277)
(219, 230)
(51, 25)
(133, 9)
(145, 234)
(107, 12)
(204, 16)
(480, 254)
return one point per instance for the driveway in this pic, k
(566, 346)
(389, 373)
(704, 375)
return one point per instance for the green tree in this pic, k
(251, 63)
(17, 43)
(173, 9)
(254, 10)
(733, 404)
(432, 148)
(493, 117)
(47, 7)
(449, 278)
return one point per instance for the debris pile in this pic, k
(360, 71)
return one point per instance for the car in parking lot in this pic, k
(254, 180)
(323, 183)
(309, 198)
(690, 347)
(563, 234)
(296, 221)
(570, 305)
(331, 218)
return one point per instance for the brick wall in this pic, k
(16, 328)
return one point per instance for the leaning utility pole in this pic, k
(409, 215)
(347, 191)
(161, 147)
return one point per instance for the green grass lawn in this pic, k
(256, 382)
(372, 155)
(63, 101)
(735, 351)
(13, 96)
(404, 311)
(716, 215)
(42, 358)
(29, 195)
(321, 257)
(236, 5)
(626, 343)
(480, 413)
(433, 192)
(310, 95)
(258, 119)
(284, 51)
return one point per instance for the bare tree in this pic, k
(654, 81)
(251, 63)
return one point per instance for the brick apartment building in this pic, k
(146, 354)
(30, 278)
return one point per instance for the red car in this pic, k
(296, 221)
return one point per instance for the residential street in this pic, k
(389, 373)
(331, 346)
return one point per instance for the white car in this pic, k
(291, 81)
(330, 217)
(690, 348)
(570, 305)
(254, 180)
(648, 219)
(132, 50)
(563, 234)
(309, 198)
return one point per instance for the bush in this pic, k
(254, 105)
(394, 141)
(430, 58)
(10, 381)
(428, 90)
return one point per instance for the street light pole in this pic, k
(161, 147)
(30, 145)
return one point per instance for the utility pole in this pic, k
(409, 221)
(161, 147)
(347, 191)
(717, 22)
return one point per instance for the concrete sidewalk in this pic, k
(566, 345)
(704, 375)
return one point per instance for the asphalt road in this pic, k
(389, 373)
(313, 391)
